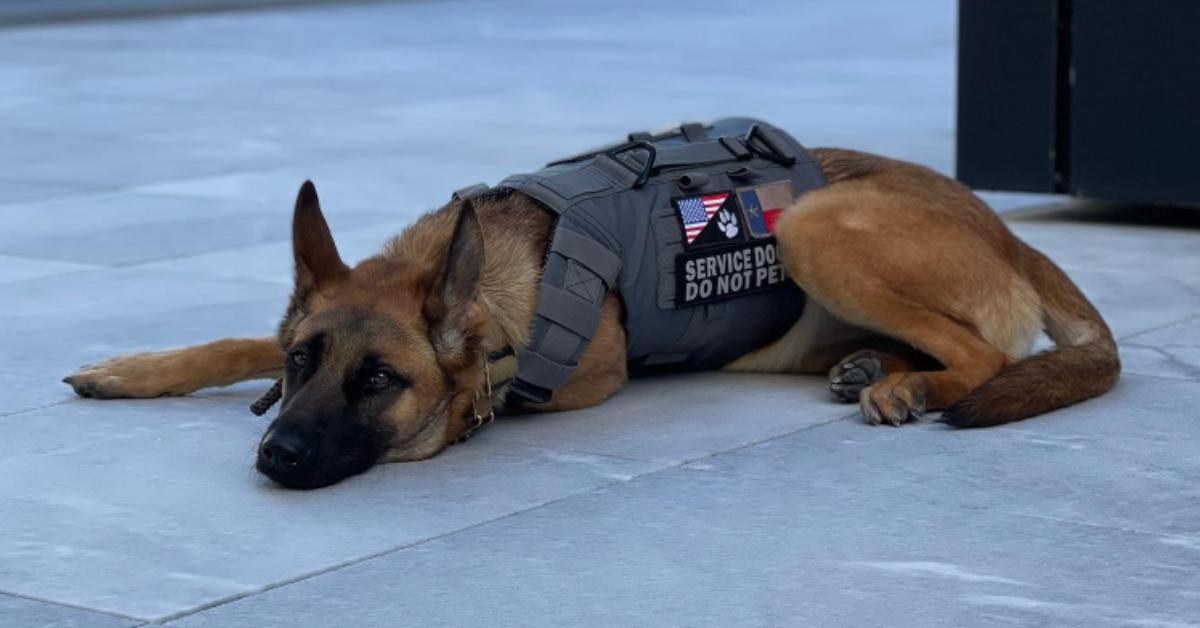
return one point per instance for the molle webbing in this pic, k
(617, 230)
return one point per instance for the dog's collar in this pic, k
(499, 366)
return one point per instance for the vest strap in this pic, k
(568, 311)
(700, 153)
(469, 192)
(602, 262)
(769, 143)
(595, 233)
(693, 131)
(541, 373)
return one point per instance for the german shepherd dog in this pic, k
(920, 299)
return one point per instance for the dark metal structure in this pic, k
(1094, 98)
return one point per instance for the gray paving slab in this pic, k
(1171, 351)
(1118, 462)
(103, 161)
(151, 508)
(1135, 302)
(1171, 252)
(48, 303)
(273, 262)
(1141, 277)
(123, 228)
(673, 419)
(400, 187)
(523, 76)
(839, 525)
(18, 191)
(52, 325)
(25, 613)
(38, 11)
(24, 392)
(20, 268)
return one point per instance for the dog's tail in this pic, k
(1082, 365)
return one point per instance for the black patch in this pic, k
(708, 220)
(717, 274)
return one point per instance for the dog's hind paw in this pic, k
(848, 378)
(896, 400)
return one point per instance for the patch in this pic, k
(727, 272)
(709, 219)
(762, 205)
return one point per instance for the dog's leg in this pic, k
(896, 264)
(902, 396)
(179, 371)
(887, 386)
(860, 369)
(874, 359)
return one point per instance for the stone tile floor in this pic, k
(147, 170)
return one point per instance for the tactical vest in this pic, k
(679, 224)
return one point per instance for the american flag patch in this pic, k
(696, 211)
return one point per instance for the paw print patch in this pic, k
(727, 224)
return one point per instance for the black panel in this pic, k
(1135, 114)
(1007, 58)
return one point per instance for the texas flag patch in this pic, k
(708, 219)
(762, 205)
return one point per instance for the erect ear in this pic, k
(317, 259)
(452, 308)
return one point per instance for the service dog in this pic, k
(919, 299)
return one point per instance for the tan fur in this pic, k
(893, 256)
(903, 251)
(179, 371)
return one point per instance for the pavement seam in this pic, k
(1192, 373)
(1134, 335)
(167, 12)
(33, 598)
(1101, 526)
(35, 409)
(197, 397)
(1162, 378)
(370, 557)
(768, 439)
(671, 464)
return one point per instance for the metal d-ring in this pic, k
(644, 174)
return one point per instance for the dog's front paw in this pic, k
(848, 378)
(140, 376)
(895, 400)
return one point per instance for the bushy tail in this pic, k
(1083, 364)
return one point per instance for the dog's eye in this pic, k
(299, 359)
(379, 379)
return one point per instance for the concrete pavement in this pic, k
(147, 171)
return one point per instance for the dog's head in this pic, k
(381, 360)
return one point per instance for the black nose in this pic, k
(283, 452)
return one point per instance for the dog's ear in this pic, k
(317, 259)
(452, 309)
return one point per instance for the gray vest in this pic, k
(679, 225)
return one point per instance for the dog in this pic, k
(919, 299)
